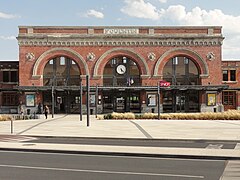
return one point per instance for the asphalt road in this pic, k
(139, 142)
(39, 166)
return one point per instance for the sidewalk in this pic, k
(71, 126)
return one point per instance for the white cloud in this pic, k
(199, 17)
(178, 15)
(8, 16)
(140, 9)
(94, 13)
(162, 1)
(8, 37)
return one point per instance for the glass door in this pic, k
(180, 103)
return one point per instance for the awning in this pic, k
(155, 88)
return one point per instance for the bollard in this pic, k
(12, 126)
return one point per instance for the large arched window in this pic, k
(61, 71)
(121, 71)
(181, 71)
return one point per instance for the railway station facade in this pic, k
(126, 65)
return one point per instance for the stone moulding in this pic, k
(121, 41)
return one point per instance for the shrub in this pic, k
(228, 115)
(5, 118)
(149, 116)
(108, 116)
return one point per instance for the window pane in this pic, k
(181, 71)
(62, 61)
(14, 76)
(10, 99)
(63, 71)
(225, 75)
(232, 75)
(5, 76)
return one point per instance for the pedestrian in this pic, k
(39, 108)
(21, 110)
(46, 111)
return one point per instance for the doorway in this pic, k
(121, 101)
(180, 101)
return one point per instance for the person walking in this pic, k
(46, 111)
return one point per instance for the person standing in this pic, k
(46, 111)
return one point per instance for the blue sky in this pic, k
(14, 13)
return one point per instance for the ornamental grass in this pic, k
(5, 118)
(227, 115)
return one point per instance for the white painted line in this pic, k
(214, 146)
(101, 171)
(237, 146)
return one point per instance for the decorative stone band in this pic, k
(26, 41)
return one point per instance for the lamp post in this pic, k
(52, 101)
(80, 101)
(158, 100)
(96, 101)
(88, 108)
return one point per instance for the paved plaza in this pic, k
(71, 126)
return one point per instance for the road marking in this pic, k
(108, 156)
(237, 146)
(232, 169)
(214, 146)
(16, 138)
(101, 171)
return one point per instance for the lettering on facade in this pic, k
(121, 31)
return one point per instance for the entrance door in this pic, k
(60, 104)
(180, 103)
(124, 101)
(120, 104)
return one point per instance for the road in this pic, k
(38, 166)
(139, 142)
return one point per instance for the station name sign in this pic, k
(121, 31)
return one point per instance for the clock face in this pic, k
(121, 69)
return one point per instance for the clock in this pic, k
(121, 69)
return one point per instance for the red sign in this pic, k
(164, 84)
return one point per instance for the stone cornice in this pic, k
(119, 40)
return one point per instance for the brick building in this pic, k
(126, 65)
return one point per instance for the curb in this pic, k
(149, 155)
(146, 139)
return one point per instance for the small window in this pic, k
(175, 60)
(62, 61)
(124, 60)
(113, 61)
(77, 99)
(225, 75)
(6, 76)
(10, 99)
(232, 75)
(51, 61)
(14, 76)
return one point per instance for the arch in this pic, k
(98, 68)
(43, 59)
(201, 64)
